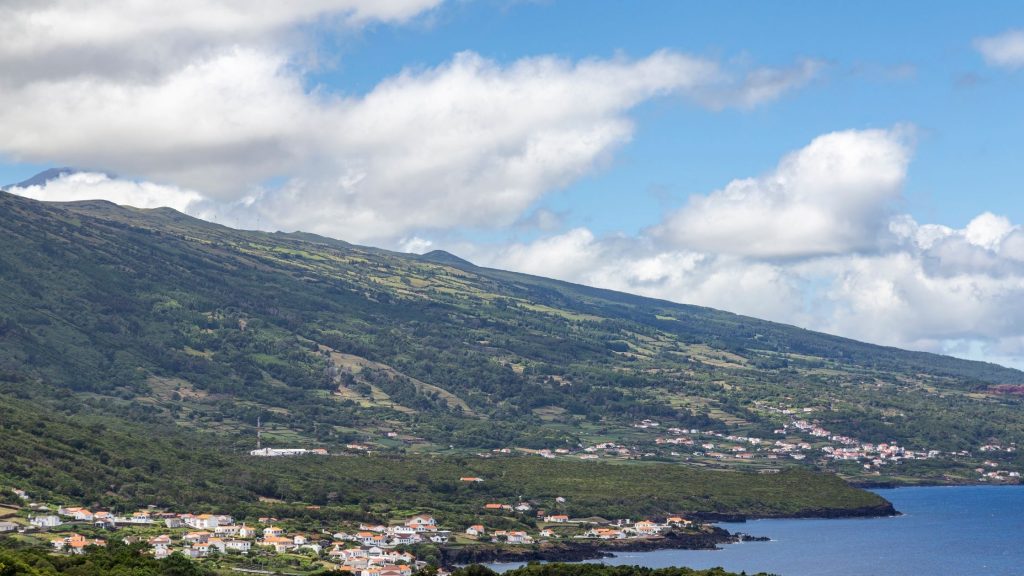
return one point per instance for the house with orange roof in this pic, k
(200, 537)
(605, 533)
(84, 515)
(280, 543)
(476, 530)
(76, 543)
(198, 550)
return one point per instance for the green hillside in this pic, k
(153, 317)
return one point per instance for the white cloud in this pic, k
(760, 85)
(467, 143)
(214, 96)
(637, 266)
(48, 39)
(219, 125)
(988, 230)
(415, 245)
(1005, 50)
(830, 197)
(92, 185)
(570, 256)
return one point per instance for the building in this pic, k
(271, 452)
(422, 523)
(45, 521)
(646, 528)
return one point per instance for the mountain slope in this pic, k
(154, 316)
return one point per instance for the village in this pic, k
(363, 549)
(798, 439)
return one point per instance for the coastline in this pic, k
(709, 538)
(578, 550)
(880, 510)
(947, 529)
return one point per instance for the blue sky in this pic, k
(847, 167)
(888, 63)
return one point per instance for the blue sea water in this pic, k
(961, 530)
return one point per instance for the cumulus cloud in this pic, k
(829, 197)
(1005, 50)
(895, 282)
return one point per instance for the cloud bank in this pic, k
(213, 97)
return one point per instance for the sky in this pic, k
(853, 168)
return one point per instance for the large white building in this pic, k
(45, 521)
(286, 451)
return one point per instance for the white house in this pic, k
(141, 517)
(240, 545)
(226, 530)
(161, 551)
(203, 522)
(173, 522)
(518, 538)
(45, 521)
(422, 523)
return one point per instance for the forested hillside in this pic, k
(150, 316)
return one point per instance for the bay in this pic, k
(942, 530)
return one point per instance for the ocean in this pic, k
(960, 530)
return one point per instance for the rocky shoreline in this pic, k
(708, 538)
